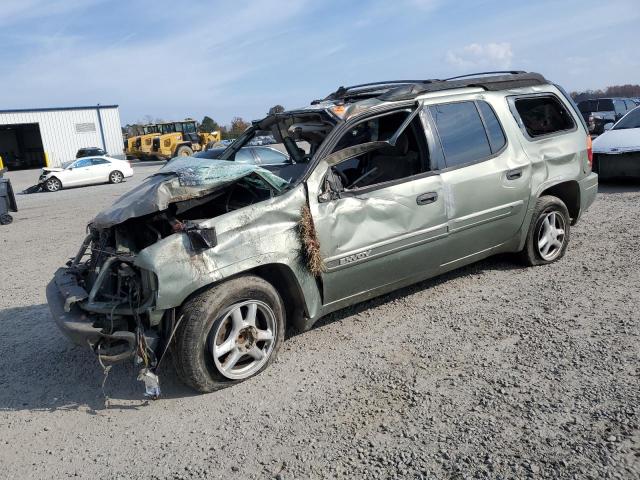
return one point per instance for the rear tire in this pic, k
(116, 177)
(184, 151)
(5, 219)
(549, 232)
(217, 345)
(53, 184)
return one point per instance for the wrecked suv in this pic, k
(387, 184)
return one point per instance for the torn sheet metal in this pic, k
(182, 179)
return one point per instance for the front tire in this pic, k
(116, 177)
(549, 232)
(53, 184)
(184, 151)
(228, 333)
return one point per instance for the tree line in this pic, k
(208, 124)
(612, 91)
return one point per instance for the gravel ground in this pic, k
(493, 371)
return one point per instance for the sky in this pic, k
(176, 59)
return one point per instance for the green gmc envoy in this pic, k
(384, 185)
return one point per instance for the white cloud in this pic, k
(181, 72)
(476, 55)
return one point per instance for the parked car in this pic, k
(599, 111)
(85, 171)
(269, 158)
(616, 153)
(90, 152)
(400, 182)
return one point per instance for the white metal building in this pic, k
(33, 138)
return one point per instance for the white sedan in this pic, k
(85, 171)
(616, 153)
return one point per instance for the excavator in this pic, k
(177, 139)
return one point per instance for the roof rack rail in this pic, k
(368, 88)
(496, 83)
(394, 90)
(495, 72)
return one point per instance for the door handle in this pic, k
(514, 174)
(426, 198)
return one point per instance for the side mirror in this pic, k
(608, 126)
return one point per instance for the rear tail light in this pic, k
(590, 151)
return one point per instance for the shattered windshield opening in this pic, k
(295, 135)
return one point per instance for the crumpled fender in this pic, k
(246, 238)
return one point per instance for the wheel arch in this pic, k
(57, 178)
(569, 192)
(286, 283)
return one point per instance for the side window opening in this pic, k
(543, 115)
(408, 157)
(377, 129)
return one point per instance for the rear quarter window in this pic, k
(543, 115)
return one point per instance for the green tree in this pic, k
(276, 109)
(238, 125)
(208, 124)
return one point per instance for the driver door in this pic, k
(79, 173)
(375, 237)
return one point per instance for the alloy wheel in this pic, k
(53, 185)
(116, 177)
(551, 236)
(243, 339)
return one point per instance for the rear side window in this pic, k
(244, 156)
(496, 136)
(605, 105)
(269, 156)
(543, 115)
(461, 133)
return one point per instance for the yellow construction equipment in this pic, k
(140, 145)
(181, 139)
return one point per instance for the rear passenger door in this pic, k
(101, 170)
(486, 179)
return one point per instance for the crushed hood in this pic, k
(183, 178)
(618, 141)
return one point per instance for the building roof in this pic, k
(58, 109)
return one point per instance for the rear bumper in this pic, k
(588, 192)
(617, 165)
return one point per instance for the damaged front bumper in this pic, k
(98, 325)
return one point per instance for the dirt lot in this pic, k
(494, 371)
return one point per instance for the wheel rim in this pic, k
(53, 185)
(243, 340)
(116, 177)
(551, 236)
(184, 153)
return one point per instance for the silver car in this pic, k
(389, 184)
